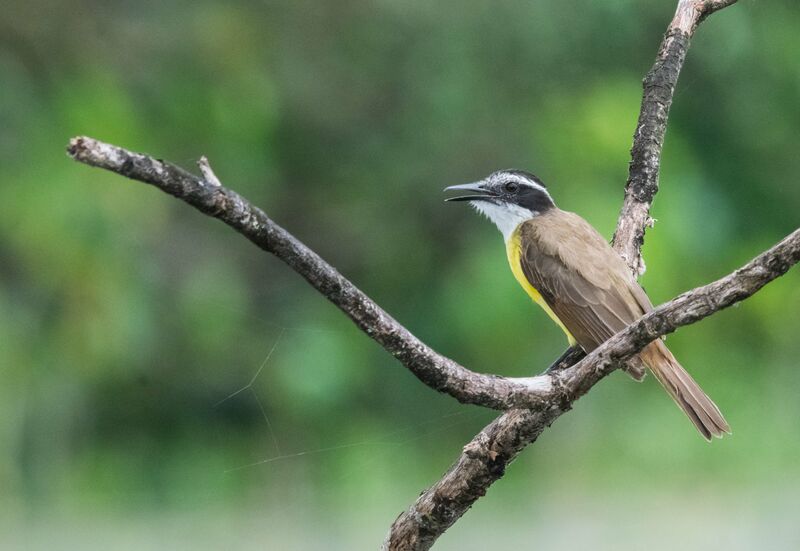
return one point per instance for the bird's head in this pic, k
(507, 198)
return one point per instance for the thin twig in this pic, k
(208, 172)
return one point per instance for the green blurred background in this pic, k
(126, 318)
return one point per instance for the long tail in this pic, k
(685, 391)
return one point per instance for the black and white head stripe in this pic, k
(532, 178)
(507, 198)
(521, 188)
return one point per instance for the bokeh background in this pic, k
(128, 322)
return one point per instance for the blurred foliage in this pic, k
(126, 318)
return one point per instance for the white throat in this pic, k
(506, 217)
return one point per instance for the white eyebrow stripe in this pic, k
(521, 177)
(537, 186)
(534, 185)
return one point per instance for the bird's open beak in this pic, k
(475, 192)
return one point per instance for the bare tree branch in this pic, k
(438, 507)
(485, 458)
(482, 462)
(208, 196)
(555, 390)
(648, 139)
(435, 370)
(688, 308)
(545, 397)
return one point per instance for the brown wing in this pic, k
(594, 296)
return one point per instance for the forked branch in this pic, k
(438, 507)
(437, 371)
(544, 398)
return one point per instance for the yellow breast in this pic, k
(513, 250)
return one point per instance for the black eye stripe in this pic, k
(523, 174)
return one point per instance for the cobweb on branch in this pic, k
(380, 441)
(390, 440)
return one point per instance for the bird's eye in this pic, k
(511, 187)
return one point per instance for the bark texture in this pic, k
(208, 196)
(547, 391)
(533, 403)
(484, 459)
(408, 532)
(648, 139)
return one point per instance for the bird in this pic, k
(580, 281)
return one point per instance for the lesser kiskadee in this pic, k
(567, 268)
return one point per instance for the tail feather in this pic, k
(685, 391)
